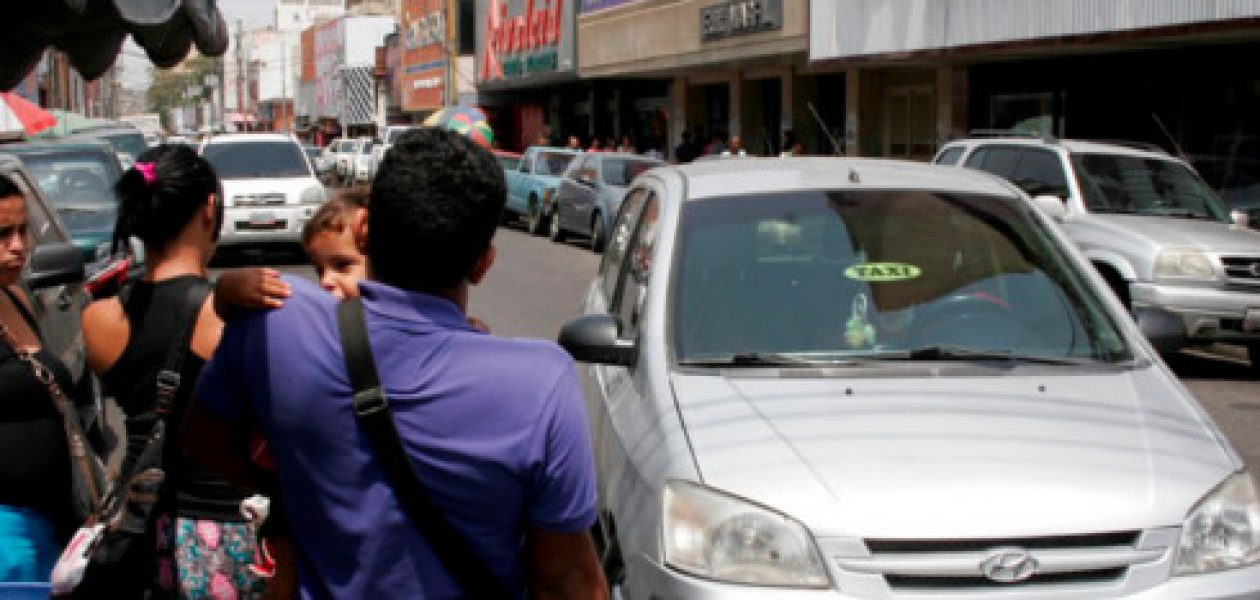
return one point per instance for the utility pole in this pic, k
(452, 50)
(240, 68)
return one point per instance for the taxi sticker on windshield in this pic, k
(883, 271)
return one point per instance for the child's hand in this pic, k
(479, 324)
(251, 289)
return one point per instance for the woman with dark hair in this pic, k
(171, 202)
(35, 469)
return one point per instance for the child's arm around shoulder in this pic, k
(254, 288)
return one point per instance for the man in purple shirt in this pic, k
(495, 428)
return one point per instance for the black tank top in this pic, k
(151, 311)
(35, 470)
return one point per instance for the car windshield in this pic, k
(246, 160)
(1144, 186)
(551, 163)
(80, 186)
(835, 276)
(129, 142)
(621, 171)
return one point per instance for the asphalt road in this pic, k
(536, 286)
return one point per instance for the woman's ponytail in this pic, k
(161, 194)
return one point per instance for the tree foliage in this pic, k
(170, 85)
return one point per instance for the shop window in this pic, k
(911, 122)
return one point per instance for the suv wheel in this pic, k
(598, 236)
(557, 232)
(535, 223)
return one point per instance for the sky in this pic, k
(135, 65)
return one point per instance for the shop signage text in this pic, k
(523, 44)
(425, 30)
(739, 17)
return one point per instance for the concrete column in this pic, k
(952, 102)
(735, 119)
(677, 114)
(852, 110)
(787, 98)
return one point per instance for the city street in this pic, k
(536, 285)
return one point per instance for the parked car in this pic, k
(125, 139)
(269, 188)
(341, 158)
(590, 194)
(1163, 240)
(77, 178)
(828, 377)
(363, 168)
(315, 155)
(533, 184)
(387, 141)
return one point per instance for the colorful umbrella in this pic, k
(19, 114)
(468, 120)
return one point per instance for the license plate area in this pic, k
(262, 219)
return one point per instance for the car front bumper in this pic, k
(653, 580)
(1204, 314)
(269, 224)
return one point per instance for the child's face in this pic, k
(338, 263)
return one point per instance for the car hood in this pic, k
(1210, 236)
(944, 457)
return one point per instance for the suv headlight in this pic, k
(714, 535)
(1223, 530)
(314, 195)
(1184, 264)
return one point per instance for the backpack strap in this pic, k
(371, 408)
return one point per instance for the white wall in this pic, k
(849, 28)
(363, 35)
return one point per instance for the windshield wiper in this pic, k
(961, 353)
(758, 359)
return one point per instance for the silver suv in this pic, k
(1161, 238)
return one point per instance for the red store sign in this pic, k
(537, 28)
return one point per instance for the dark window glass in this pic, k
(638, 268)
(977, 158)
(1041, 172)
(614, 254)
(950, 157)
(1001, 161)
(621, 171)
(245, 160)
(1135, 185)
(552, 163)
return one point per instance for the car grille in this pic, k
(957, 565)
(258, 200)
(1242, 269)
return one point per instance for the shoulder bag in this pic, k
(112, 554)
(371, 407)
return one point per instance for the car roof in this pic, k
(1070, 145)
(630, 155)
(249, 137)
(58, 145)
(554, 149)
(739, 176)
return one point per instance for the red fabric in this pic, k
(33, 118)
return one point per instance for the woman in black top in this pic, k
(170, 201)
(34, 460)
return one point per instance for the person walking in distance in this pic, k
(504, 460)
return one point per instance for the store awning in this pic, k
(91, 33)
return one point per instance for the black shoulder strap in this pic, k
(372, 409)
(168, 384)
(22, 309)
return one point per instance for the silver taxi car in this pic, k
(832, 378)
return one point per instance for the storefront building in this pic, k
(425, 70)
(525, 69)
(920, 72)
(712, 68)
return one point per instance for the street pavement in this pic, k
(536, 286)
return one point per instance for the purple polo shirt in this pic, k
(496, 428)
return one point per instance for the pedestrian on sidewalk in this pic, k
(35, 493)
(493, 429)
(202, 543)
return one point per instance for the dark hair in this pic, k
(331, 216)
(8, 188)
(157, 210)
(436, 202)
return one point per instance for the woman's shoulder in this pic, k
(105, 333)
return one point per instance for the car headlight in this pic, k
(1184, 264)
(1223, 530)
(314, 195)
(714, 535)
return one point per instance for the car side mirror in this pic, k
(597, 339)
(55, 264)
(1052, 206)
(1240, 218)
